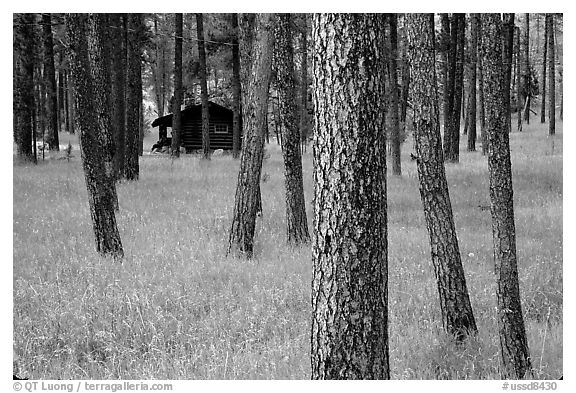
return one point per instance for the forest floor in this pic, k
(178, 308)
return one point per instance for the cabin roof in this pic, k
(193, 111)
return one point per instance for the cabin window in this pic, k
(220, 128)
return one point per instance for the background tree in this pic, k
(23, 92)
(508, 50)
(472, 82)
(350, 252)
(203, 87)
(297, 225)
(457, 316)
(255, 106)
(513, 343)
(177, 101)
(50, 83)
(394, 115)
(551, 75)
(99, 186)
(134, 86)
(236, 92)
(526, 69)
(544, 66)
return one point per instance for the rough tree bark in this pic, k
(472, 91)
(203, 86)
(255, 106)
(118, 91)
(457, 316)
(481, 106)
(507, 49)
(394, 115)
(513, 342)
(106, 233)
(98, 54)
(519, 75)
(551, 76)
(447, 80)
(304, 117)
(23, 93)
(177, 101)
(544, 67)
(50, 83)
(456, 70)
(350, 253)
(236, 90)
(297, 226)
(133, 72)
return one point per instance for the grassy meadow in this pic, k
(178, 308)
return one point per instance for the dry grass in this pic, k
(177, 308)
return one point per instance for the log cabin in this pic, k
(191, 138)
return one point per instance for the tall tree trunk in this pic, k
(50, 83)
(255, 105)
(177, 102)
(527, 92)
(297, 226)
(350, 253)
(508, 51)
(394, 115)
(481, 106)
(513, 342)
(39, 113)
(66, 105)
(452, 140)
(457, 316)
(551, 75)
(519, 77)
(544, 66)
(203, 87)
(108, 241)
(236, 92)
(118, 91)
(23, 93)
(70, 113)
(99, 55)
(133, 72)
(60, 91)
(472, 92)
(304, 117)
(447, 70)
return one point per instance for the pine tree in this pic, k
(236, 92)
(50, 83)
(472, 88)
(513, 343)
(255, 105)
(177, 101)
(203, 87)
(100, 199)
(350, 252)
(394, 109)
(134, 84)
(297, 226)
(508, 50)
(23, 92)
(457, 316)
(551, 75)
(544, 67)
(118, 90)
